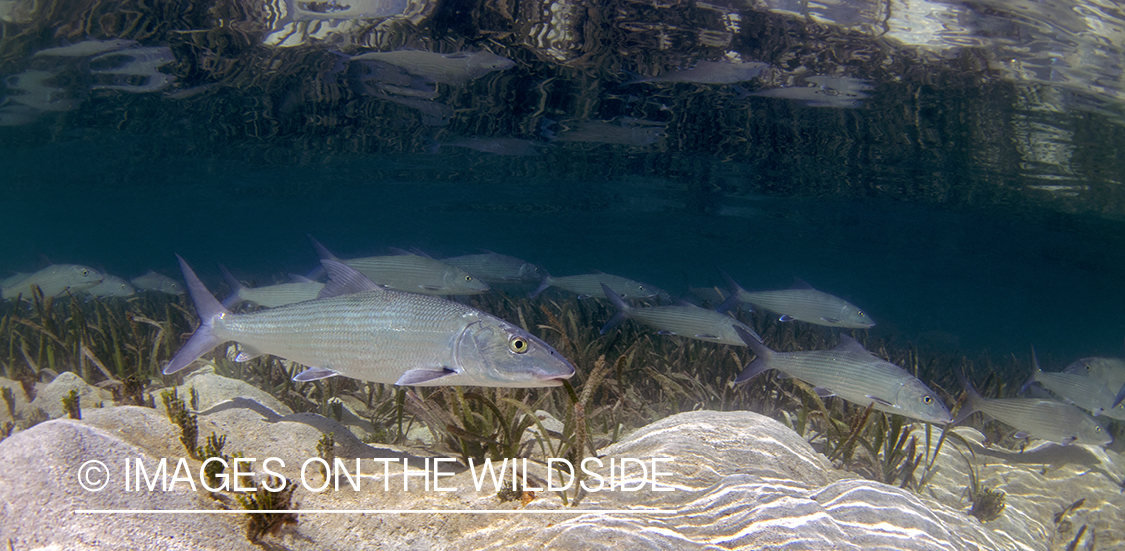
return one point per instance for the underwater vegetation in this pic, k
(625, 379)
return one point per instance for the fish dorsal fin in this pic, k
(682, 302)
(849, 344)
(419, 252)
(799, 283)
(344, 280)
(402, 252)
(321, 250)
(297, 278)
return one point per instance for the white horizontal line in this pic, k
(371, 511)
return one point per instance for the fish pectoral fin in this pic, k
(707, 336)
(430, 287)
(823, 392)
(879, 400)
(314, 374)
(1020, 435)
(584, 297)
(247, 353)
(423, 376)
(831, 320)
(786, 317)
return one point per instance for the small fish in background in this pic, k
(152, 281)
(432, 113)
(135, 70)
(590, 285)
(801, 303)
(86, 48)
(1108, 371)
(412, 273)
(453, 69)
(34, 89)
(492, 267)
(362, 330)
(710, 72)
(287, 12)
(112, 286)
(508, 147)
(853, 373)
(270, 296)
(1081, 390)
(624, 131)
(55, 280)
(687, 321)
(14, 114)
(838, 92)
(1043, 419)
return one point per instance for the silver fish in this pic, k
(711, 72)
(55, 280)
(852, 373)
(840, 92)
(112, 286)
(363, 331)
(454, 69)
(1108, 371)
(802, 303)
(632, 132)
(301, 10)
(497, 268)
(86, 48)
(1083, 391)
(412, 273)
(688, 321)
(590, 285)
(508, 147)
(1043, 419)
(152, 281)
(36, 93)
(134, 70)
(270, 296)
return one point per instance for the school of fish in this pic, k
(392, 319)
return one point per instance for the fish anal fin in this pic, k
(786, 318)
(666, 333)
(314, 374)
(423, 376)
(823, 392)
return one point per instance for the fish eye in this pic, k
(927, 400)
(861, 314)
(517, 344)
(85, 272)
(468, 278)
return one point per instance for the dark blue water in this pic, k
(953, 279)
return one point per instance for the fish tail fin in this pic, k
(235, 288)
(1120, 397)
(622, 309)
(763, 353)
(971, 403)
(209, 308)
(542, 285)
(1035, 371)
(732, 300)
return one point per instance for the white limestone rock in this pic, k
(49, 398)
